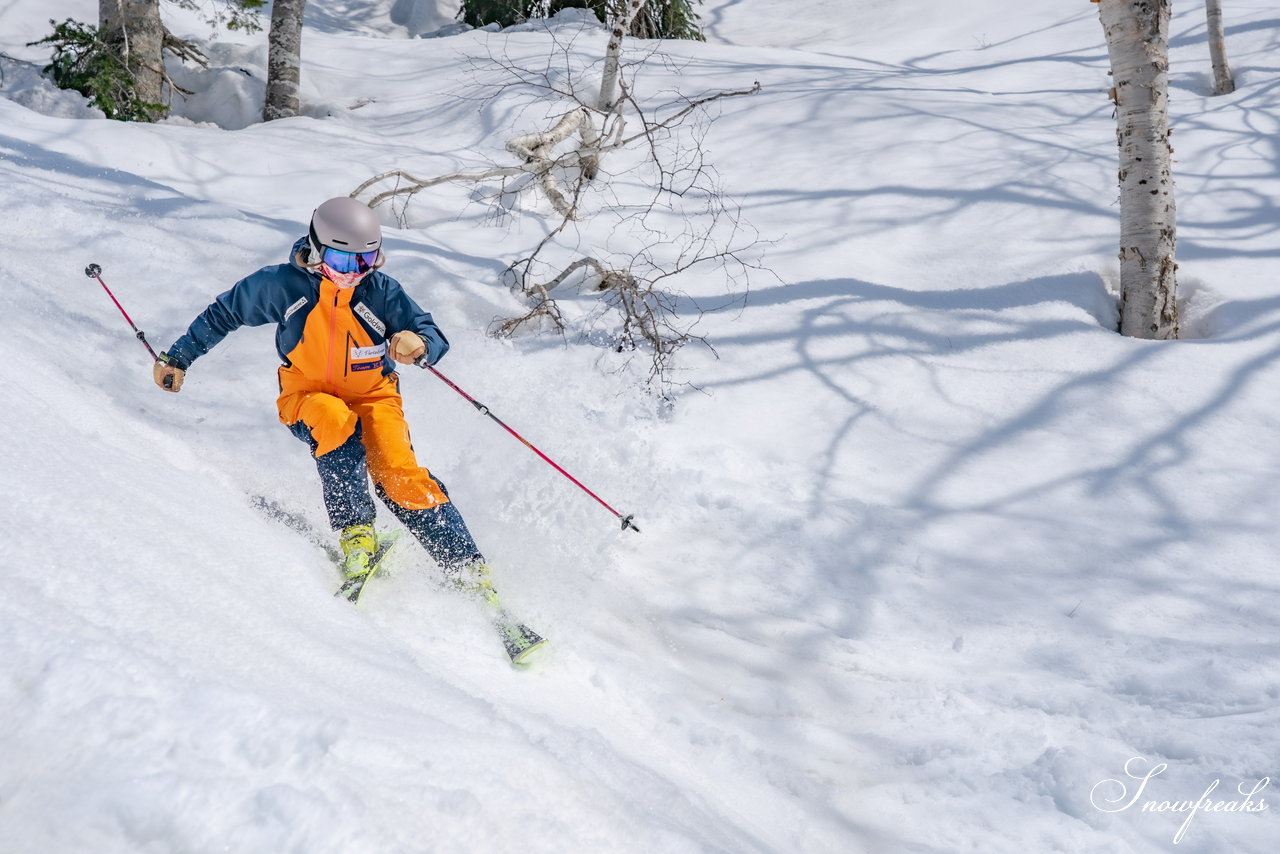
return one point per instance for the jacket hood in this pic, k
(298, 247)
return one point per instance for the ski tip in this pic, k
(530, 655)
(522, 643)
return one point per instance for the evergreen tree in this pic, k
(119, 64)
(660, 19)
(132, 31)
(83, 61)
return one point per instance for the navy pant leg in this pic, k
(344, 479)
(441, 530)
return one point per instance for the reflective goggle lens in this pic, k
(349, 262)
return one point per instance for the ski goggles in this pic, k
(349, 262)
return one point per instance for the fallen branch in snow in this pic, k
(544, 306)
(685, 223)
(534, 149)
(652, 317)
(646, 312)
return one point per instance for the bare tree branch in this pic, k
(685, 224)
(536, 163)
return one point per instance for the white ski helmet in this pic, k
(346, 225)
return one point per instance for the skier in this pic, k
(341, 323)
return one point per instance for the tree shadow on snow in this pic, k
(858, 336)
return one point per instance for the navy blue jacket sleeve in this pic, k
(253, 301)
(403, 313)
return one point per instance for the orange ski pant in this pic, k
(332, 420)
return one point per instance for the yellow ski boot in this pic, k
(472, 579)
(358, 543)
(363, 551)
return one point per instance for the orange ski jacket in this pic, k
(331, 341)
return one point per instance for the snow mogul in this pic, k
(342, 326)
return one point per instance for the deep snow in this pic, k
(929, 554)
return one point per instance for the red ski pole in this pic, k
(93, 271)
(484, 410)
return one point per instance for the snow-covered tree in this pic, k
(1137, 33)
(1223, 83)
(284, 59)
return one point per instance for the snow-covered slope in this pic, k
(929, 553)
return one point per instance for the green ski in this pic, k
(520, 641)
(354, 586)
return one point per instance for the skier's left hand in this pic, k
(407, 347)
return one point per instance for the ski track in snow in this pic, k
(929, 553)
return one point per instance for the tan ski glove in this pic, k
(407, 347)
(167, 375)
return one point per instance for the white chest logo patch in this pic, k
(370, 318)
(375, 352)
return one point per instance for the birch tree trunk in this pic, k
(135, 27)
(609, 80)
(607, 102)
(284, 60)
(1223, 84)
(1137, 33)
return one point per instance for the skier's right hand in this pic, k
(167, 375)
